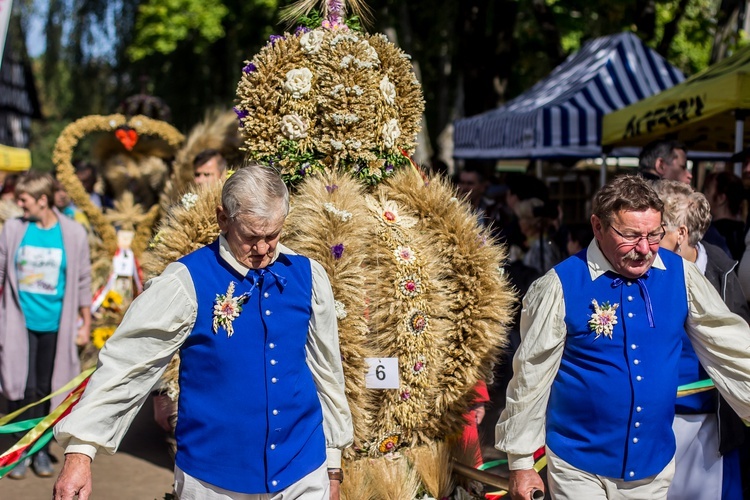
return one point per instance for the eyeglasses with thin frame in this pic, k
(634, 239)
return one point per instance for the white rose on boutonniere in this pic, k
(298, 82)
(311, 41)
(390, 132)
(293, 127)
(604, 319)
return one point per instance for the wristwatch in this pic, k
(336, 475)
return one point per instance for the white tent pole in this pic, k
(739, 135)
(603, 170)
(539, 172)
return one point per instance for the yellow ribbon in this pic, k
(67, 387)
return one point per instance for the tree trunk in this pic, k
(670, 29)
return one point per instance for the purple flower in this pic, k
(301, 30)
(241, 113)
(388, 168)
(274, 38)
(331, 188)
(304, 168)
(337, 251)
(249, 68)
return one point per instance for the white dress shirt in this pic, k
(152, 331)
(720, 338)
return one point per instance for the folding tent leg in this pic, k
(603, 171)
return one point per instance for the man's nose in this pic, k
(642, 247)
(261, 247)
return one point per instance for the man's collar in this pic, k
(598, 263)
(226, 254)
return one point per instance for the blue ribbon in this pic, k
(618, 281)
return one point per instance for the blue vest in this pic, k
(612, 402)
(249, 418)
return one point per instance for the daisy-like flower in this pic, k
(417, 322)
(604, 319)
(388, 444)
(405, 255)
(227, 308)
(410, 286)
(388, 213)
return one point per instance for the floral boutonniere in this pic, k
(604, 319)
(227, 308)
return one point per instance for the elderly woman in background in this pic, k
(707, 431)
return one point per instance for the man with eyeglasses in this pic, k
(596, 374)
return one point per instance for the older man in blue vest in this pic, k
(262, 411)
(596, 374)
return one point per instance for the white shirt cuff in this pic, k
(520, 462)
(76, 446)
(333, 458)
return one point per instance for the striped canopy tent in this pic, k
(708, 111)
(561, 116)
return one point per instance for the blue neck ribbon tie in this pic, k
(618, 281)
(256, 276)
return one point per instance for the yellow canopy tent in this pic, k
(707, 111)
(14, 159)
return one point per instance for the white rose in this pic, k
(390, 132)
(311, 41)
(298, 82)
(293, 127)
(389, 90)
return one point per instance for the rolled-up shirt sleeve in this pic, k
(521, 428)
(721, 339)
(324, 361)
(130, 364)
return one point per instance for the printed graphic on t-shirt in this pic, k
(38, 269)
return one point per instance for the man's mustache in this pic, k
(633, 255)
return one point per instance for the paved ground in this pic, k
(140, 470)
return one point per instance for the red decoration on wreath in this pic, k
(127, 136)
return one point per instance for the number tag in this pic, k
(382, 373)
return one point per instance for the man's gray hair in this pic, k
(255, 191)
(684, 207)
(631, 193)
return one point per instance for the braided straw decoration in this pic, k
(62, 156)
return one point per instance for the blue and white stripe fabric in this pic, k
(562, 114)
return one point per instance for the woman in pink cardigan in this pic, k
(45, 274)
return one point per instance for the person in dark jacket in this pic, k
(707, 431)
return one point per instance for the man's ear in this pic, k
(659, 166)
(222, 218)
(598, 227)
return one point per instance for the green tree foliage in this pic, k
(471, 54)
(163, 24)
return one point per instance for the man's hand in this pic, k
(74, 478)
(523, 482)
(335, 489)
